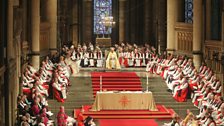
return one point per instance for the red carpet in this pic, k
(127, 122)
(162, 113)
(120, 81)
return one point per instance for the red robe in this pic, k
(35, 110)
(62, 119)
(181, 95)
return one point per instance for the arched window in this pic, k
(102, 8)
(189, 11)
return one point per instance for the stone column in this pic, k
(147, 22)
(87, 23)
(10, 50)
(51, 14)
(197, 32)
(35, 32)
(208, 20)
(171, 20)
(122, 20)
(223, 26)
(10, 55)
(75, 23)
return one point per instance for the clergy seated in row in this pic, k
(209, 115)
(31, 70)
(211, 112)
(203, 85)
(87, 57)
(123, 57)
(205, 118)
(205, 88)
(71, 65)
(112, 60)
(173, 70)
(151, 65)
(219, 116)
(65, 67)
(28, 80)
(59, 89)
(63, 119)
(30, 109)
(189, 120)
(38, 80)
(40, 88)
(61, 82)
(180, 91)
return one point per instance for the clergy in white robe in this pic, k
(112, 60)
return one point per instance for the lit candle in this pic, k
(147, 83)
(100, 83)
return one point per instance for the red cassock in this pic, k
(181, 95)
(57, 95)
(62, 119)
(126, 62)
(44, 115)
(162, 73)
(120, 60)
(192, 85)
(27, 91)
(80, 119)
(35, 110)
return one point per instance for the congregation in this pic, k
(183, 80)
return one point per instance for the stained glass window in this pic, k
(102, 8)
(189, 11)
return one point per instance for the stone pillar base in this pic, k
(197, 61)
(36, 62)
(170, 51)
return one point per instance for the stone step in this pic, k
(80, 94)
(157, 82)
(161, 95)
(71, 101)
(158, 89)
(174, 103)
(182, 107)
(160, 92)
(80, 90)
(67, 106)
(78, 84)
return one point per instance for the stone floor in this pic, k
(80, 93)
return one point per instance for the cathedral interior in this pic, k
(30, 30)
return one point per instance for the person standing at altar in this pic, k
(112, 60)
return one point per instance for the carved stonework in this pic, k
(184, 37)
(2, 70)
(12, 67)
(44, 36)
(213, 51)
